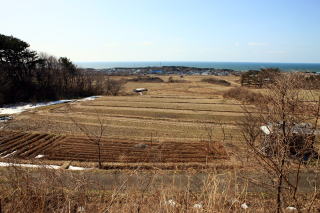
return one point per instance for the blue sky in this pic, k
(168, 30)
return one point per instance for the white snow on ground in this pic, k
(5, 118)
(171, 202)
(5, 164)
(89, 98)
(291, 209)
(16, 109)
(75, 168)
(265, 129)
(8, 155)
(39, 156)
(244, 206)
(197, 206)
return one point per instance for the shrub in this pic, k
(244, 95)
(146, 79)
(312, 82)
(113, 87)
(216, 81)
(259, 78)
(171, 80)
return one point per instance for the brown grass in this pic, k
(216, 81)
(146, 79)
(244, 95)
(189, 113)
(44, 190)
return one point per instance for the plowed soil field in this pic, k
(66, 148)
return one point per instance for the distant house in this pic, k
(140, 90)
(137, 71)
(159, 72)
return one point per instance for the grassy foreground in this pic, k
(191, 111)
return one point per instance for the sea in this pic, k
(238, 66)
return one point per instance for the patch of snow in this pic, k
(5, 164)
(171, 202)
(8, 155)
(197, 206)
(5, 118)
(265, 129)
(16, 109)
(91, 98)
(76, 168)
(81, 209)
(39, 156)
(291, 209)
(244, 206)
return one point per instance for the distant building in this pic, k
(159, 72)
(140, 90)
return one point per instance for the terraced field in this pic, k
(27, 146)
(176, 126)
(136, 117)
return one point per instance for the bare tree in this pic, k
(280, 135)
(113, 87)
(209, 136)
(93, 137)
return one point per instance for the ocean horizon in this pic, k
(238, 66)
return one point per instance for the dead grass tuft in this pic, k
(244, 95)
(216, 81)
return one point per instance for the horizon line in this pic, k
(198, 62)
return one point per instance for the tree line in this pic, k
(26, 75)
(265, 76)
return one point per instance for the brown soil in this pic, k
(81, 148)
